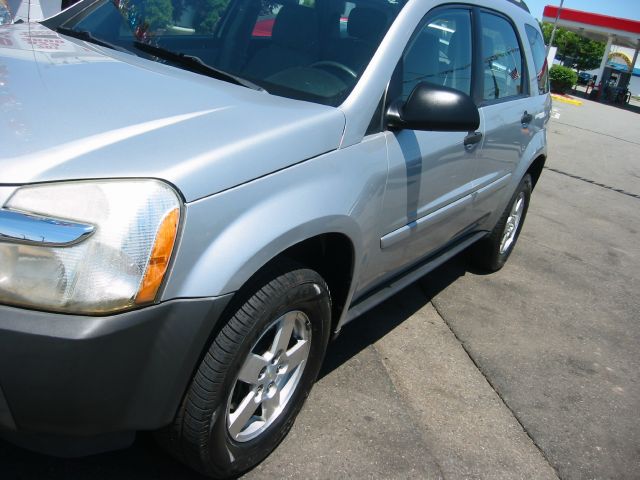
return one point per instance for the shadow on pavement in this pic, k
(372, 326)
(144, 460)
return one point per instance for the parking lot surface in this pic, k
(532, 372)
(557, 333)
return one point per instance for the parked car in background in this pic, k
(209, 197)
(30, 10)
(583, 78)
(5, 13)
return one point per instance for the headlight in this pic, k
(119, 240)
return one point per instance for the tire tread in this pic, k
(187, 438)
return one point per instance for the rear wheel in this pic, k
(254, 379)
(492, 252)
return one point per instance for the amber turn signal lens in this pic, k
(160, 257)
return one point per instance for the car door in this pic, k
(431, 174)
(507, 109)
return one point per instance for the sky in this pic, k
(629, 9)
(616, 8)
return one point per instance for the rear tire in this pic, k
(255, 377)
(492, 252)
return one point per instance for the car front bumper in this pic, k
(82, 377)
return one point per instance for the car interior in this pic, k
(321, 49)
(309, 49)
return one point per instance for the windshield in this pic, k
(312, 50)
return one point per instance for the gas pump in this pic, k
(615, 85)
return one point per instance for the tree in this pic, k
(590, 55)
(206, 12)
(157, 14)
(575, 51)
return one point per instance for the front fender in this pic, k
(229, 236)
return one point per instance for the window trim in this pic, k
(394, 87)
(377, 125)
(526, 93)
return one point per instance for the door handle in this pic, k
(527, 118)
(472, 139)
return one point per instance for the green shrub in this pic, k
(562, 78)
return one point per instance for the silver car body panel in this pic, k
(261, 173)
(5, 193)
(228, 237)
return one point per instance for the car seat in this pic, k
(294, 43)
(365, 28)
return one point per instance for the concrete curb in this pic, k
(570, 101)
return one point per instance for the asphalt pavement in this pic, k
(531, 372)
(557, 331)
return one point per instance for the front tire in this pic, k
(255, 377)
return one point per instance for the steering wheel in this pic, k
(336, 65)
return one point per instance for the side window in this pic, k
(539, 58)
(503, 64)
(440, 53)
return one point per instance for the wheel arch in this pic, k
(536, 167)
(330, 254)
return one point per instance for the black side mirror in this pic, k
(434, 108)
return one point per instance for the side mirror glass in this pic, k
(435, 108)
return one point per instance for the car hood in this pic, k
(72, 110)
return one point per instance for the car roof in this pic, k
(516, 9)
(521, 4)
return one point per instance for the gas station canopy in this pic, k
(611, 30)
(626, 33)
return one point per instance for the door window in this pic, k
(502, 58)
(440, 52)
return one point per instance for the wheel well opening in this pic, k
(535, 170)
(332, 256)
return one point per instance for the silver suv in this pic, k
(196, 195)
